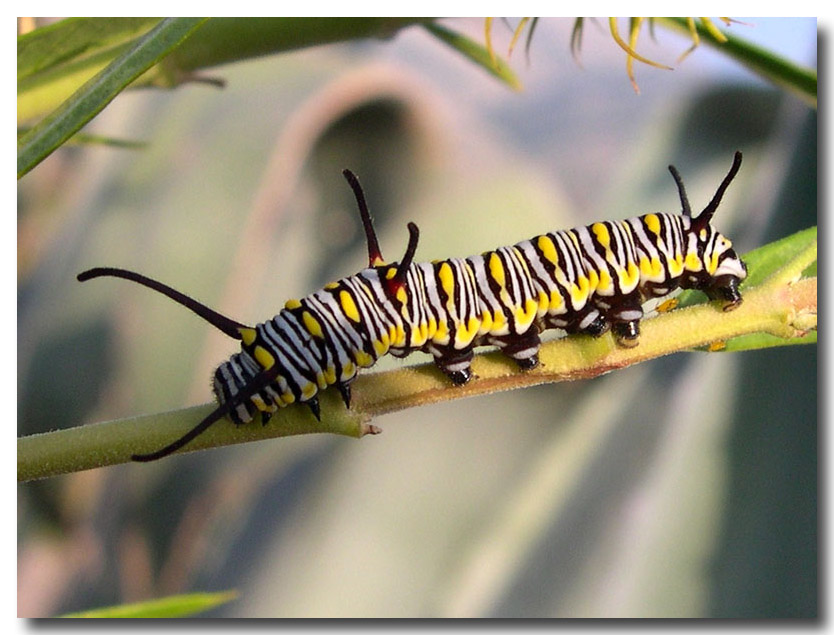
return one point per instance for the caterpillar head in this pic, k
(711, 264)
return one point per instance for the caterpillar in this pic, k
(584, 280)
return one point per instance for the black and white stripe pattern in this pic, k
(601, 276)
(583, 280)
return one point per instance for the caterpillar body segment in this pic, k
(583, 280)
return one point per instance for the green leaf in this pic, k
(96, 93)
(766, 261)
(755, 341)
(225, 40)
(82, 138)
(476, 53)
(55, 60)
(173, 606)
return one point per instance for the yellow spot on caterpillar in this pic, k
(653, 223)
(496, 269)
(247, 335)
(321, 380)
(349, 306)
(447, 280)
(657, 268)
(378, 262)
(380, 347)
(579, 291)
(713, 262)
(604, 280)
(432, 327)
(544, 301)
(330, 375)
(717, 346)
(392, 271)
(363, 359)
(629, 277)
(486, 322)
(441, 336)
(524, 315)
(548, 249)
(264, 357)
(311, 324)
(292, 304)
(417, 338)
(499, 321)
(651, 268)
(474, 324)
(693, 263)
(259, 403)
(555, 300)
(309, 390)
(465, 333)
(348, 371)
(402, 296)
(593, 280)
(288, 398)
(603, 237)
(676, 266)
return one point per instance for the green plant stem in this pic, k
(113, 442)
(783, 306)
(768, 309)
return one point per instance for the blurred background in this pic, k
(686, 486)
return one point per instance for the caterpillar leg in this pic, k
(627, 333)
(314, 406)
(524, 349)
(625, 320)
(456, 364)
(596, 327)
(587, 320)
(344, 390)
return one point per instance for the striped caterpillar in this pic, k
(583, 280)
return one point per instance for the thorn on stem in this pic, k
(368, 428)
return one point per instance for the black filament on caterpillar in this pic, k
(583, 280)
